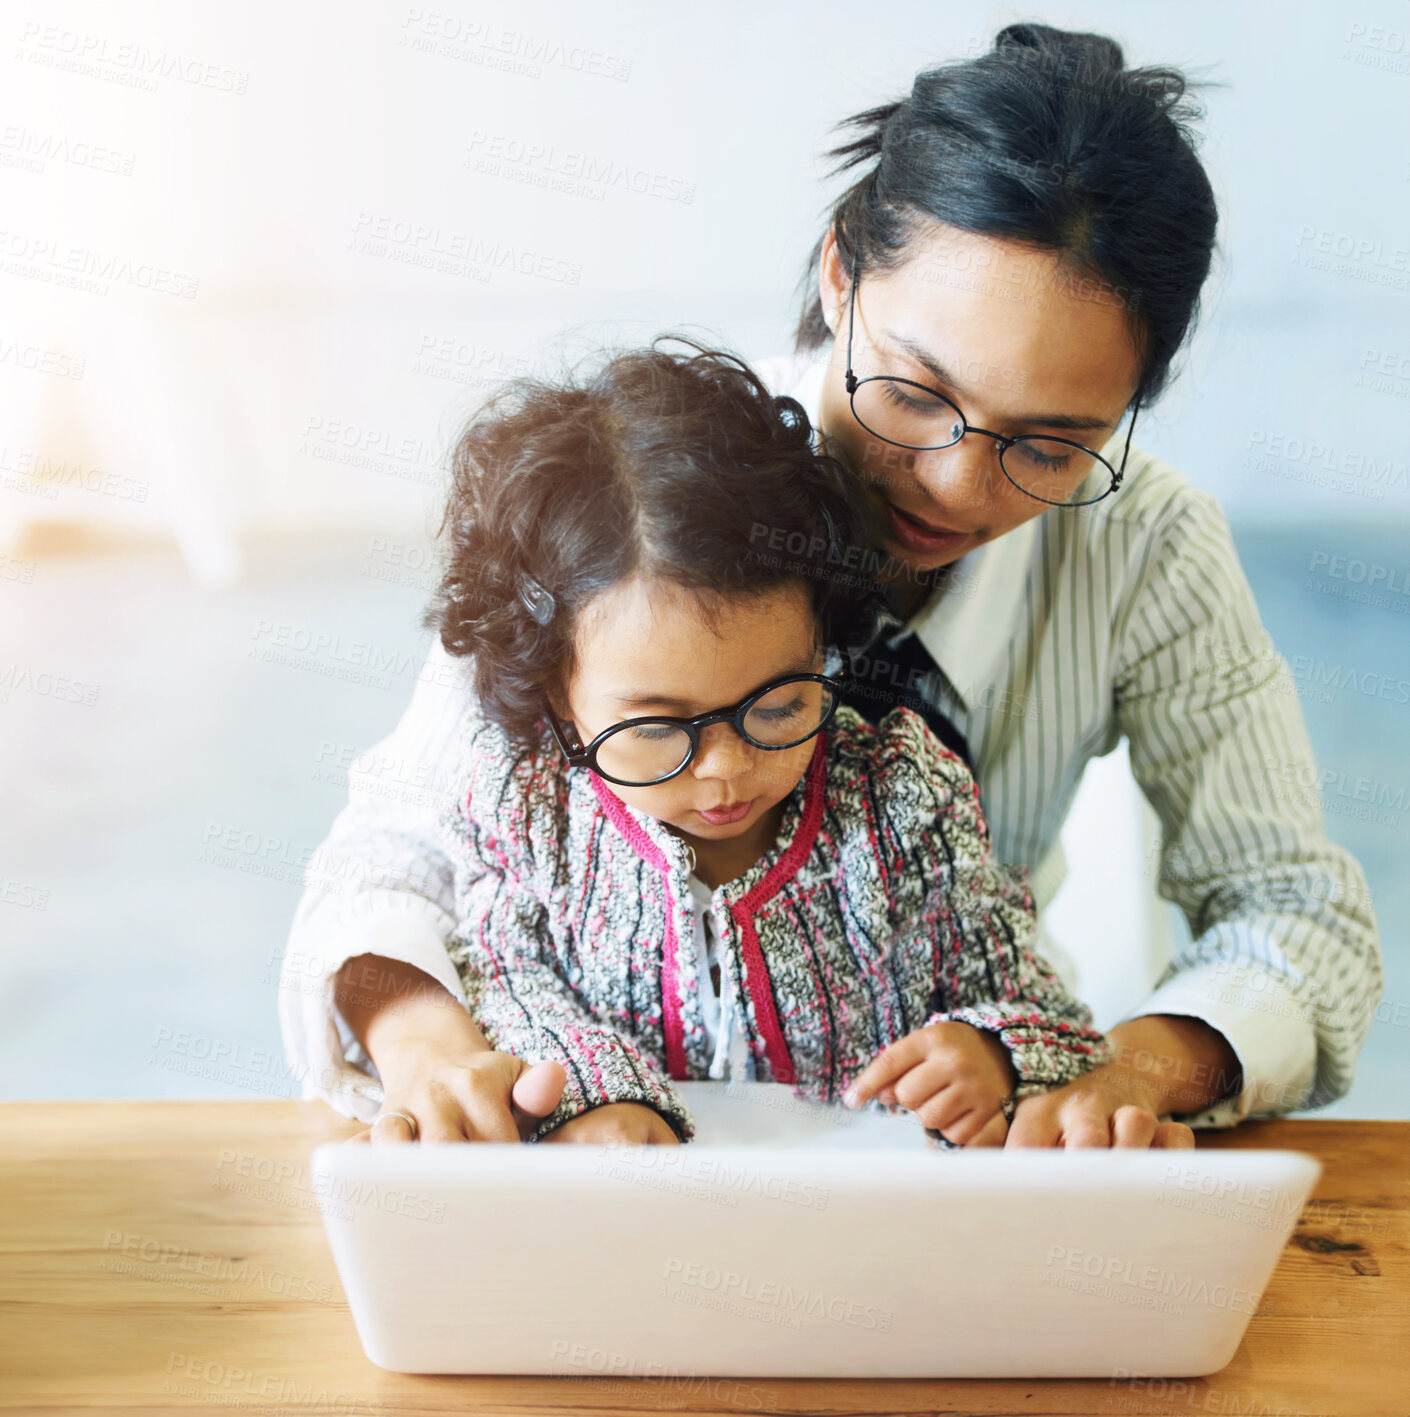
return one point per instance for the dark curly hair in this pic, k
(675, 463)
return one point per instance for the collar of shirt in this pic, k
(968, 625)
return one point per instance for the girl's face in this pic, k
(643, 648)
(1016, 344)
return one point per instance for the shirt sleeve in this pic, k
(989, 973)
(379, 884)
(1285, 961)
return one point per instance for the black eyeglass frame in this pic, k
(580, 756)
(854, 383)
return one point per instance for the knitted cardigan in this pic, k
(878, 911)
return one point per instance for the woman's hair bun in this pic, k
(793, 415)
(1092, 53)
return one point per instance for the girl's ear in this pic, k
(562, 713)
(557, 699)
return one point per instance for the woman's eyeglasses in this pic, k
(640, 752)
(910, 415)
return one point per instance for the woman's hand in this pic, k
(618, 1123)
(435, 1064)
(471, 1096)
(953, 1076)
(1101, 1108)
(1163, 1063)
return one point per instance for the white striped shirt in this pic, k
(1130, 618)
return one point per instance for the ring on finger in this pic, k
(408, 1119)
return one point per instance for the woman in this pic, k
(1012, 274)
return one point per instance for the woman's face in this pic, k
(644, 647)
(1015, 343)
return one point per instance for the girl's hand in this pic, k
(1103, 1108)
(953, 1076)
(475, 1096)
(623, 1123)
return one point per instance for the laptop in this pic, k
(797, 1240)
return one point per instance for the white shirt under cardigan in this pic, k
(1128, 618)
(729, 1048)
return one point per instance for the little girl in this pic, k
(676, 854)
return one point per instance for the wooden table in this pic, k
(168, 1257)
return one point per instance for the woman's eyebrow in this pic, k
(1074, 422)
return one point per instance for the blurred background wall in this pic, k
(256, 262)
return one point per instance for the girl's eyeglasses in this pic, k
(640, 752)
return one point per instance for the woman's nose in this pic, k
(967, 474)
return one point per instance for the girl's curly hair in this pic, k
(673, 463)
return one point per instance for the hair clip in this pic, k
(536, 600)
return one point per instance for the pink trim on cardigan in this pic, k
(743, 910)
(780, 873)
(672, 1026)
